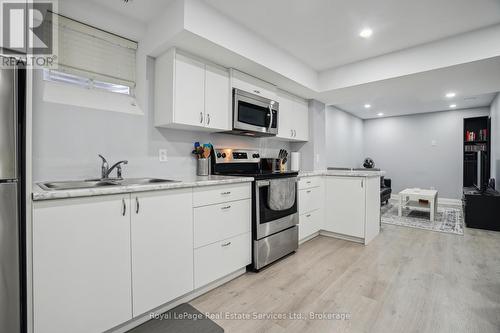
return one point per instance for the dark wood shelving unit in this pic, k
(475, 125)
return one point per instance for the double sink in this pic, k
(98, 183)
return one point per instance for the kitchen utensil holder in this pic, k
(203, 166)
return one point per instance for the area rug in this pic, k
(448, 219)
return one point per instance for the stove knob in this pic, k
(223, 155)
(219, 155)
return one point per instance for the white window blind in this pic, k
(100, 56)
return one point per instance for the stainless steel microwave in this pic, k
(254, 115)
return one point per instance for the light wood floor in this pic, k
(406, 280)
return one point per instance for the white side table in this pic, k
(410, 198)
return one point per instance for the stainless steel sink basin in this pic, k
(75, 184)
(96, 183)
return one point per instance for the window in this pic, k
(92, 58)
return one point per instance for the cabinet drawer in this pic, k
(310, 199)
(216, 222)
(308, 182)
(219, 259)
(210, 195)
(309, 223)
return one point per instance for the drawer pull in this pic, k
(308, 182)
(308, 191)
(226, 193)
(308, 215)
(256, 91)
(226, 244)
(225, 207)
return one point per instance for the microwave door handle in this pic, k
(270, 117)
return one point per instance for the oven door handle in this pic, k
(263, 183)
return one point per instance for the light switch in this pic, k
(162, 155)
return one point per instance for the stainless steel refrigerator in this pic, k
(10, 213)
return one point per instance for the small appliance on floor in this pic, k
(274, 204)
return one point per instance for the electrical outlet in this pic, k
(162, 155)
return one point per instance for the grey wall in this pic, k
(344, 139)
(495, 140)
(67, 140)
(403, 147)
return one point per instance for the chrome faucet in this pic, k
(106, 169)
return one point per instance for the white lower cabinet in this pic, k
(345, 198)
(162, 247)
(311, 206)
(81, 264)
(221, 258)
(310, 223)
(216, 222)
(101, 261)
(222, 231)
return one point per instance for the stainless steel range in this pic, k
(274, 204)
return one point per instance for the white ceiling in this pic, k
(475, 85)
(140, 10)
(324, 33)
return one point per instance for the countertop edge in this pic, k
(39, 194)
(346, 173)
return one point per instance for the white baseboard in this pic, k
(441, 201)
(141, 319)
(340, 236)
(308, 238)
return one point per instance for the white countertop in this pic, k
(197, 181)
(346, 173)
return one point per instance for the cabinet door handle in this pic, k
(308, 215)
(226, 244)
(256, 91)
(225, 207)
(208, 118)
(308, 182)
(201, 117)
(361, 183)
(137, 205)
(308, 191)
(226, 193)
(291, 133)
(124, 207)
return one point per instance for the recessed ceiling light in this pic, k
(380, 114)
(450, 95)
(453, 105)
(366, 33)
(367, 106)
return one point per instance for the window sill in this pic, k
(89, 98)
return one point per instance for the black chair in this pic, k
(385, 190)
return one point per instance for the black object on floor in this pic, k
(181, 319)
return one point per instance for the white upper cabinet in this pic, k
(81, 264)
(217, 98)
(191, 94)
(162, 247)
(253, 85)
(293, 122)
